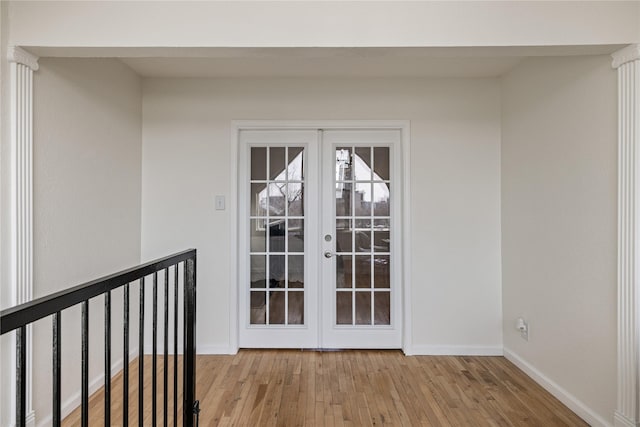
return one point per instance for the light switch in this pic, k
(219, 203)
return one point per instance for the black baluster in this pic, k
(85, 364)
(107, 358)
(154, 361)
(141, 357)
(21, 376)
(175, 346)
(189, 365)
(125, 358)
(57, 366)
(166, 344)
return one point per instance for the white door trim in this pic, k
(403, 126)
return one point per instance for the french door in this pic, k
(319, 230)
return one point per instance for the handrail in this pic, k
(29, 312)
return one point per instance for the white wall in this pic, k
(87, 195)
(359, 23)
(5, 288)
(559, 130)
(455, 204)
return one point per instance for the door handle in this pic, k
(328, 254)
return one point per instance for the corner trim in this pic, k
(569, 400)
(626, 54)
(21, 205)
(628, 269)
(21, 56)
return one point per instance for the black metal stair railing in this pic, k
(19, 317)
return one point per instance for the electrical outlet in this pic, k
(525, 332)
(523, 326)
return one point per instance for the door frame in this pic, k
(404, 288)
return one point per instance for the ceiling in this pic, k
(210, 62)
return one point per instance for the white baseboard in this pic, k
(30, 420)
(453, 350)
(620, 420)
(215, 349)
(573, 403)
(69, 405)
(200, 349)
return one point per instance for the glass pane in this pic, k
(277, 164)
(381, 163)
(276, 271)
(343, 199)
(258, 163)
(343, 271)
(296, 235)
(363, 235)
(258, 235)
(276, 308)
(296, 164)
(296, 308)
(343, 235)
(381, 271)
(363, 271)
(276, 235)
(363, 308)
(363, 199)
(343, 164)
(363, 163)
(277, 198)
(344, 309)
(295, 199)
(381, 199)
(258, 310)
(258, 199)
(296, 271)
(381, 238)
(258, 271)
(382, 308)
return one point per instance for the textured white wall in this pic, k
(87, 184)
(321, 23)
(455, 203)
(559, 156)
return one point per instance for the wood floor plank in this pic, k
(349, 388)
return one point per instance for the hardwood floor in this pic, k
(349, 388)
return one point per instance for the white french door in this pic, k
(318, 239)
(360, 289)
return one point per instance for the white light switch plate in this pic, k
(219, 203)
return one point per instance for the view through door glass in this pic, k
(363, 239)
(277, 177)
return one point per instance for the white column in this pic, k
(627, 61)
(22, 64)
